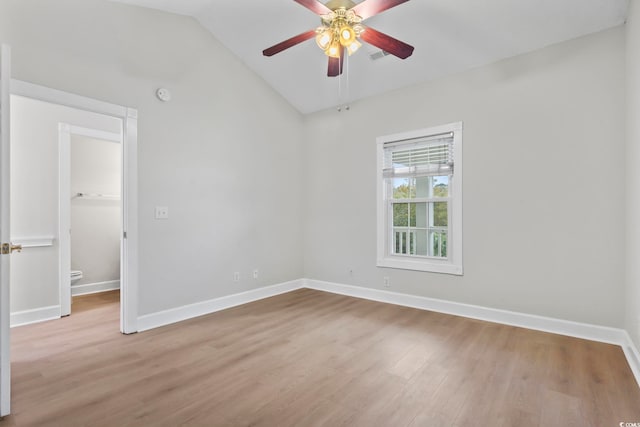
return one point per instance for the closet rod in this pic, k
(97, 196)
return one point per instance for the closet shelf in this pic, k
(96, 196)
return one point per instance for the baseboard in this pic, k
(26, 317)
(92, 288)
(633, 356)
(540, 323)
(154, 320)
(529, 321)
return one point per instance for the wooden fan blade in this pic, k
(335, 64)
(314, 6)
(386, 43)
(289, 43)
(368, 8)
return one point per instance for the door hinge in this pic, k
(124, 234)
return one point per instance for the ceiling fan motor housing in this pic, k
(340, 28)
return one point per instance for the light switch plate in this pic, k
(162, 212)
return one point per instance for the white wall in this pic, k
(543, 183)
(544, 225)
(95, 222)
(223, 155)
(633, 176)
(34, 195)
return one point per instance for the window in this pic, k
(420, 200)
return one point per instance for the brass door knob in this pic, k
(7, 248)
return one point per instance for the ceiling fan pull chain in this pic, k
(348, 87)
(343, 101)
(340, 90)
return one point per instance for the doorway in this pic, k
(91, 235)
(46, 256)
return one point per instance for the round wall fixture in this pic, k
(163, 94)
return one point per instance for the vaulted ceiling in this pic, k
(449, 36)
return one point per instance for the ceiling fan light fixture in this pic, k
(333, 50)
(324, 37)
(358, 29)
(353, 47)
(347, 35)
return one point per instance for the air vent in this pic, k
(378, 55)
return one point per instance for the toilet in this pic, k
(76, 275)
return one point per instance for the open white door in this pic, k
(5, 359)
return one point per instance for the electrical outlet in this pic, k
(236, 276)
(255, 273)
(386, 283)
(162, 212)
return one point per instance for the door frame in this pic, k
(5, 230)
(129, 204)
(65, 130)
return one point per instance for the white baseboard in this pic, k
(547, 324)
(529, 321)
(154, 320)
(633, 356)
(26, 317)
(540, 323)
(92, 288)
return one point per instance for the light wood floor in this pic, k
(310, 358)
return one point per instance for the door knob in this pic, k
(7, 248)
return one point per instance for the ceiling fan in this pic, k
(341, 28)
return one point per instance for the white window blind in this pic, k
(425, 156)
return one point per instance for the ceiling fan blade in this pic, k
(335, 64)
(386, 43)
(314, 6)
(368, 8)
(289, 43)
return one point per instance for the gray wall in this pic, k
(95, 222)
(249, 182)
(543, 183)
(223, 155)
(633, 175)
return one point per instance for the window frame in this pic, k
(385, 229)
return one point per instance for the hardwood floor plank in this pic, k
(564, 410)
(309, 358)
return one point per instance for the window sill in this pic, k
(445, 267)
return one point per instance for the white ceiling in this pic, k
(449, 36)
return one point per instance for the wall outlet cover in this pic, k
(162, 212)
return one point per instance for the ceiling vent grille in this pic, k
(378, 55)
